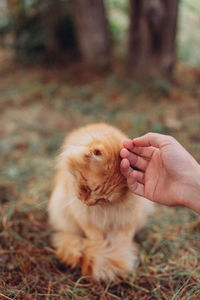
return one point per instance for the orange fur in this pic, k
(93, 212)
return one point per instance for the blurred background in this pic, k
(63, 64)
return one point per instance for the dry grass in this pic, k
(37, 109)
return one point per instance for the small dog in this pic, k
(91, 208)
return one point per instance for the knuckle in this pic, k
(170, 138)
(149, 134)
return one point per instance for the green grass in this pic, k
(38, 108)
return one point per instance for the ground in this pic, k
(39, 106)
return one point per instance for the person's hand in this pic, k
(157, 167)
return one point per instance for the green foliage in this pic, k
(119, 4)
(5, 25)
(188, 32)
(118, 16)
(40, 29)
(188, 5)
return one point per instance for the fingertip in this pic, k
(127, 143)
(125, 163)
(124, 153)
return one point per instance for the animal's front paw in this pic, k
(69, 258)
(69, 249)
(105, 262)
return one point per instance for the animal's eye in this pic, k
(97, 152)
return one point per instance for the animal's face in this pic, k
(96, 171)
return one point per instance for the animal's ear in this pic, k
(95, 153)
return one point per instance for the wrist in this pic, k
(191, 197)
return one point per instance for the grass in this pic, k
(38, 108)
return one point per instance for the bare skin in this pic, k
(158, 168)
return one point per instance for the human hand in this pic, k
(157, 167)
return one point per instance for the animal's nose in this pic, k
(102, 200)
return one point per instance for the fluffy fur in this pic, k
(93, 212)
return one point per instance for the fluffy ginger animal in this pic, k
(94, 214)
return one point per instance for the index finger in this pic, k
(146, 152)
(152, 139)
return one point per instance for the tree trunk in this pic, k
(152, 37)
(50, 18)
(91, 30)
